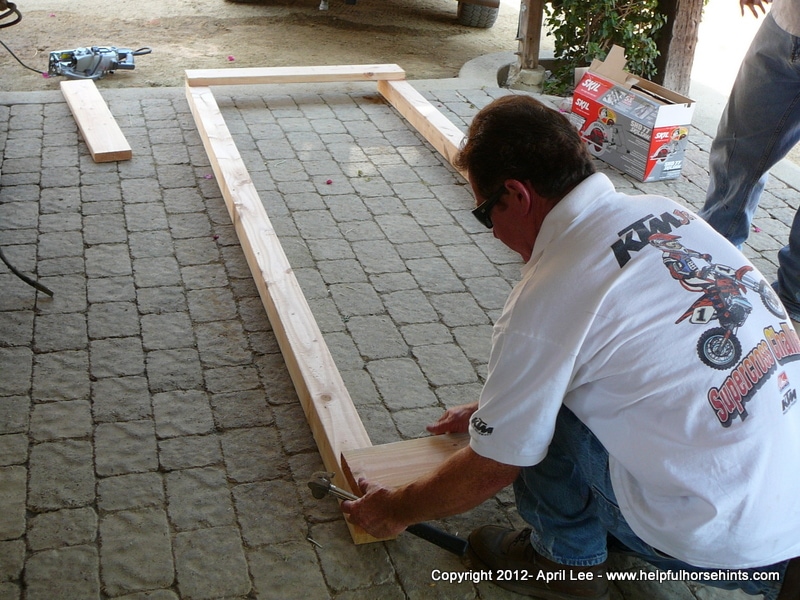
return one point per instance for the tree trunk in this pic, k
(677, 43)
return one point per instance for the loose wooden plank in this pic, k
(440, 132)
(100, 131)
(207, 77)
(398, 463)
(326, 402)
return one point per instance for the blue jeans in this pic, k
(760, 125)
(568, 501)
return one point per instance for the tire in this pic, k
(771, 300)
(476, 15)
(718, 348)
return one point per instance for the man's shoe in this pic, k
(790, 588)
(517, 567)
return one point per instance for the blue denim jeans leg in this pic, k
(570, 504)
(759, 126)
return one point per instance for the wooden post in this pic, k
(531, 16)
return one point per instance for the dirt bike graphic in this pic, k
(724, 300)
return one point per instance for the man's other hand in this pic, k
(454, 420)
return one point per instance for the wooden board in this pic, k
(332, 417)
(400, 463)
(426, 118)
(206, 77)
(100, 131)
(326, 402)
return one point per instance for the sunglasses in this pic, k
(483, 212)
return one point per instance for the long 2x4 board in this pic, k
(332, 417)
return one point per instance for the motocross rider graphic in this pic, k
(722, 298)
(679, 261)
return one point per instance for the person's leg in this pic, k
(563, 555)
(570, 504)
(759, 125)
(788, 284)
(558, 500)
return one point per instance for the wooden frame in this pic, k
(342, 441)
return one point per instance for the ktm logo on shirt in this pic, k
(637, 235)
(789, 398)
(481, 427)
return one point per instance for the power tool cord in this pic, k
(12, 10)
(23, 277)
(42, 73)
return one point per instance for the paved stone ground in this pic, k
(151, 443)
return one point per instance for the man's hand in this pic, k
(454, 420)
(751, 4)
(372, 512)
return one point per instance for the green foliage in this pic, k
(586, 29)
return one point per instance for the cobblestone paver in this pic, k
(151, 442)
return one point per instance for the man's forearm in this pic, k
(462, 482)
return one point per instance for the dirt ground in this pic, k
(422, 36)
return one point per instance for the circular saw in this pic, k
(92, 62)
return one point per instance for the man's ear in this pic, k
(520, 193)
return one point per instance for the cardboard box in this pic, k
(637, 126)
